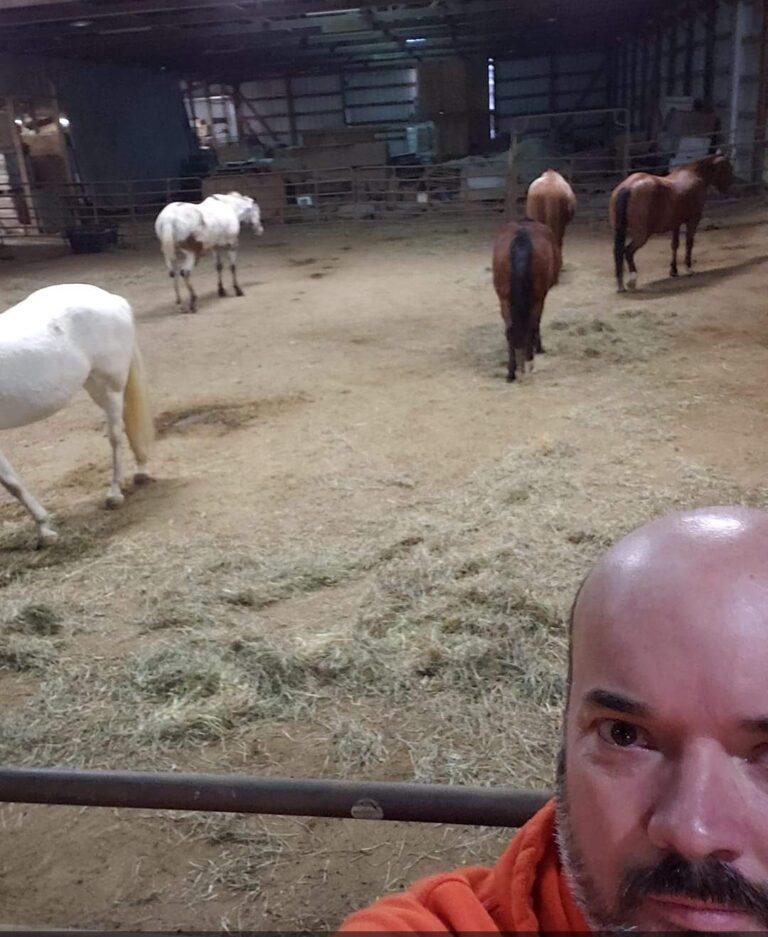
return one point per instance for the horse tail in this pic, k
(139, 425)
(167, 236)
(521, 291)
(620, 235)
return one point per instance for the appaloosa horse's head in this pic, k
(247, 210)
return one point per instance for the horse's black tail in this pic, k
(620, 236)
(521, 288)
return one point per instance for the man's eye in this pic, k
(622, 734)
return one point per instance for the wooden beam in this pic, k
(689, 41)
(672, 59)
(709, 52)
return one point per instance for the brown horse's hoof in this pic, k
(238, 291)
(673, 273)
(141, 478)
(222, 291)
(510, 378)
(621, 289)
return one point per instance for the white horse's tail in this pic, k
(167, 236)
(139, 425)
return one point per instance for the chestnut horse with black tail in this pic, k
(551, 201)
(526, 263)
(644, 204)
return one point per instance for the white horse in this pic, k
(186, 231)
(56, 341)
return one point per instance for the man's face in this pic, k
(663, 801)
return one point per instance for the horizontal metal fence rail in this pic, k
(306, 797)
(294, 196)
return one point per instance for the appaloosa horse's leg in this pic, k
(675, 245)
(233, 267)
(13, 485)
(187, 264)
(219, 268)
(174, 275)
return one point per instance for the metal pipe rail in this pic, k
(306, 797)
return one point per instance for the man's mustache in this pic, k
(710, 880)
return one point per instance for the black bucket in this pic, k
(91, 240)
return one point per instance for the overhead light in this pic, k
(332, 12)
(81, 24)
(64, 121)
(415, 41)
(19, 122)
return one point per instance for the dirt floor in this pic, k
(357, 552)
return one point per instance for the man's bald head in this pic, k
(663, 777)
(701, 557)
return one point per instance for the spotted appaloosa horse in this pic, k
(56, 341)
(552, 202)
(526, 263)
(186, 231)
(644, 204)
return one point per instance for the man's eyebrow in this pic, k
(606, 699)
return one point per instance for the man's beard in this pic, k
(673, 876)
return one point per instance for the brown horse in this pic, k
(644, 204)
(526, 263)
(552, 202)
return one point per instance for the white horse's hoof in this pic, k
(114, 500)
(46, 537)
(141, 478)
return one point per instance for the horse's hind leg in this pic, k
(511, 362)
(690, 234)
(675, 246)
(186, 272)
(219, 268)
(173, 273)
(233, 268)
(111, 402)
(538, 311)
(13, 485)
(632, 248)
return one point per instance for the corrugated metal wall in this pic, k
(555, 83)
(279, 110)
(697, 54)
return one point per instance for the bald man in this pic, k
(660, 820)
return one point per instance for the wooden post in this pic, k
(633, 86)
(643, 103)
(291, 111)
(510, 202)
(758, 168)
(709, 54)
(672, 60)
(689, 38)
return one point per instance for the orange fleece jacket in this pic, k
(526, 892)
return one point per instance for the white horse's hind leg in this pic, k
(186, 271)
(174, 273)
(219, 268)
(232, 253)
(13, 485)
(111, 402)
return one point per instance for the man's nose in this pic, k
(699, 813)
